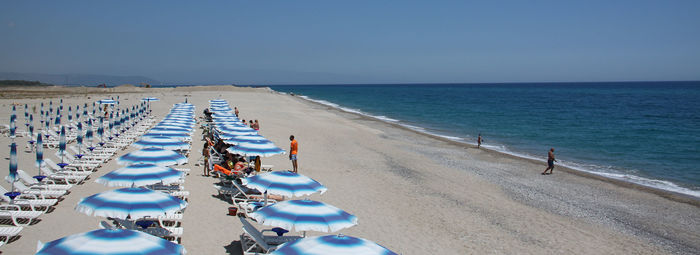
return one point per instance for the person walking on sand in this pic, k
(550, 161)
(293, 150)
(205, 154)
(478, 142)
(235, 110)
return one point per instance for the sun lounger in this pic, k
(29, 200)
(66, 170)
(9, 232)
(46, 183)
(36, 191)
(255, 242)
(67, 177)
(15, 213)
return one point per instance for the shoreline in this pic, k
(668, 194)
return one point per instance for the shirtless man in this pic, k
(550, 162)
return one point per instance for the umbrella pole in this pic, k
(265, 197)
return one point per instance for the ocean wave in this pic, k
(604, 171)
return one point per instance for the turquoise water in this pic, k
(641, 132)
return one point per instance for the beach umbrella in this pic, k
(140, 175)
(255, 149)
(284, 183)
(13, 127)
(101, 130)
(155, 156)
(233, 134)
(39, 152)
(57, 119)
(107, 101)
(77, 113)
(149, 99)
(232, 128)
(88, 134)
(111, 125)
(135, 203)
(13, 164)
(62, 146)
(304, 215)
(79, 139)
(171, 129)
(245, 138)
(70, 115)
(176, 135)
(332, 244)
(61, 105)
(110, 242)
(166, 143)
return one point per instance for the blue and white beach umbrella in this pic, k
(88, 133)
(233, 134)
(332, 244)
(227, 128)
(106, 101)
(135, 203)
(166, 143)
(171, 129)
(13, 161)
(149, 99)
(39, 152)
(255, 149)
(246, 138)
(304, 215)
(140, 175)
(110, 242)
(101, 129)
(62, 143)
(173, 135)
(79, 138)
(154, 156)
(284, 183)
(70, 115)
(13, 126)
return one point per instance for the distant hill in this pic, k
(78, 79)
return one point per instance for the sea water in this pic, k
(643, 132)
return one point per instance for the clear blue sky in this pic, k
(262, 42)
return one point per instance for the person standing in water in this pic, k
(478, 142)
(550, 161)
(293, 150)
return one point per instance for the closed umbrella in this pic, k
(62, 146)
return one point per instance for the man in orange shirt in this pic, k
(293, 149)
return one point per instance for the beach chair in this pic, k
(84, 164)
(248, 200)
(46, 183)
(14, 214)
(29, 201)
(36, 191)
(255, 242)
(68, 178)
(9, 232)
(66, 170)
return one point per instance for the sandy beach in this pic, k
(412, 193)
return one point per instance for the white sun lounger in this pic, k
(36, 191)
(29, 200)
(255, 242)
(9, 232)
(46, 183)
(15, 213)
